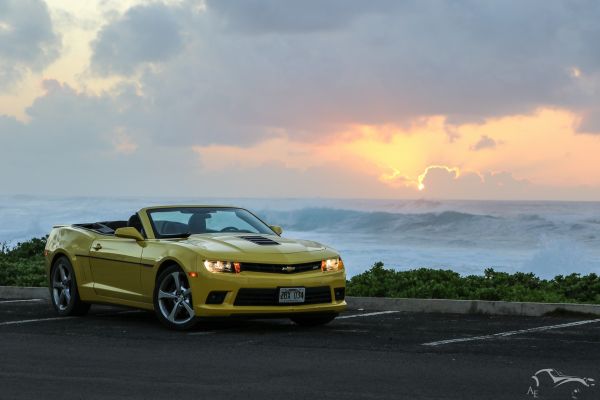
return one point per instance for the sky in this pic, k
(456, 99)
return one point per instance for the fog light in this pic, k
(340, 293)
(216, 297)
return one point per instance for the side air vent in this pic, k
(263, 241)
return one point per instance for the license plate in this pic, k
(291, 295)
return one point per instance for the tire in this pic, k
(64, 293)
(313, 319)
(173, 303)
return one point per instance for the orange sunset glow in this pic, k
(538, 148)
(426, 125)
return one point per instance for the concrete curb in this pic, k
(403, 305)
(469, 306)
(18, 292)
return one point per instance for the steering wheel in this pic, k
(230, 229)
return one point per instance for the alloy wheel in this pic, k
(175, 298)
(61, 286)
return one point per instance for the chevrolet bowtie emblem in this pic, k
(288, 269)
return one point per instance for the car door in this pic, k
(116, 269)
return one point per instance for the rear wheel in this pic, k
(313, 319)
(173, 299)
(64, 293)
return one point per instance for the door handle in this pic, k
(97, 247)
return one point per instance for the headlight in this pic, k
(222, 266)
(333, 264)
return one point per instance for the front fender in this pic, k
(159, 254)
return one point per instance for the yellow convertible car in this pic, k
(186, 262)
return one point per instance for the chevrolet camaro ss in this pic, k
(186, 262)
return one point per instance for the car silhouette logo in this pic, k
(558, 378)
(551, 380)
(288, 269)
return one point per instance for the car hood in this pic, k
(248, 247)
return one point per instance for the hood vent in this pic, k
(263, 241)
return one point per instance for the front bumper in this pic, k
(232, 283)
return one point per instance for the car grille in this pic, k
(281, 268)
(261, 240)
(269, 297)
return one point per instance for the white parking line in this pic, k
(201, 333)
(27, 321)
(512, 333)
(367, 314)
(19, 301)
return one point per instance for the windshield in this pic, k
(174, 222)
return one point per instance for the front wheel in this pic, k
(313, 319)
(64, 293)
(173, 299)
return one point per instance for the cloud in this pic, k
(28, 41)
(275, 16)
(451, 183)
(75, 143)
(74, 119)
(239, 75)
(10, 127)
(484, 142)
(250, 69)
(56, 153)
(590, 121)
(445, 183)
(241, 72)
(144, 34)
(276, 179)
(76, 140)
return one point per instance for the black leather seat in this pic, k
(172, 228)
(197, 223)
(136, 222)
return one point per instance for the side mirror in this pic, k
(277, 229)
(129, 232)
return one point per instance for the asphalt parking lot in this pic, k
(371, 354)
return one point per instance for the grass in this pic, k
(23, 265)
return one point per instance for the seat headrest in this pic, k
(135, 222)
(197, 223)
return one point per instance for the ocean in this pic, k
(546, 238)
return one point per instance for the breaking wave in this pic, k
(446, 227)
(546, 238)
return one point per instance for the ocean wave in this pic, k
(466, 236)
(453, 228)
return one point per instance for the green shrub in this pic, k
(23, 265)
(22, 273)
(427, 283)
